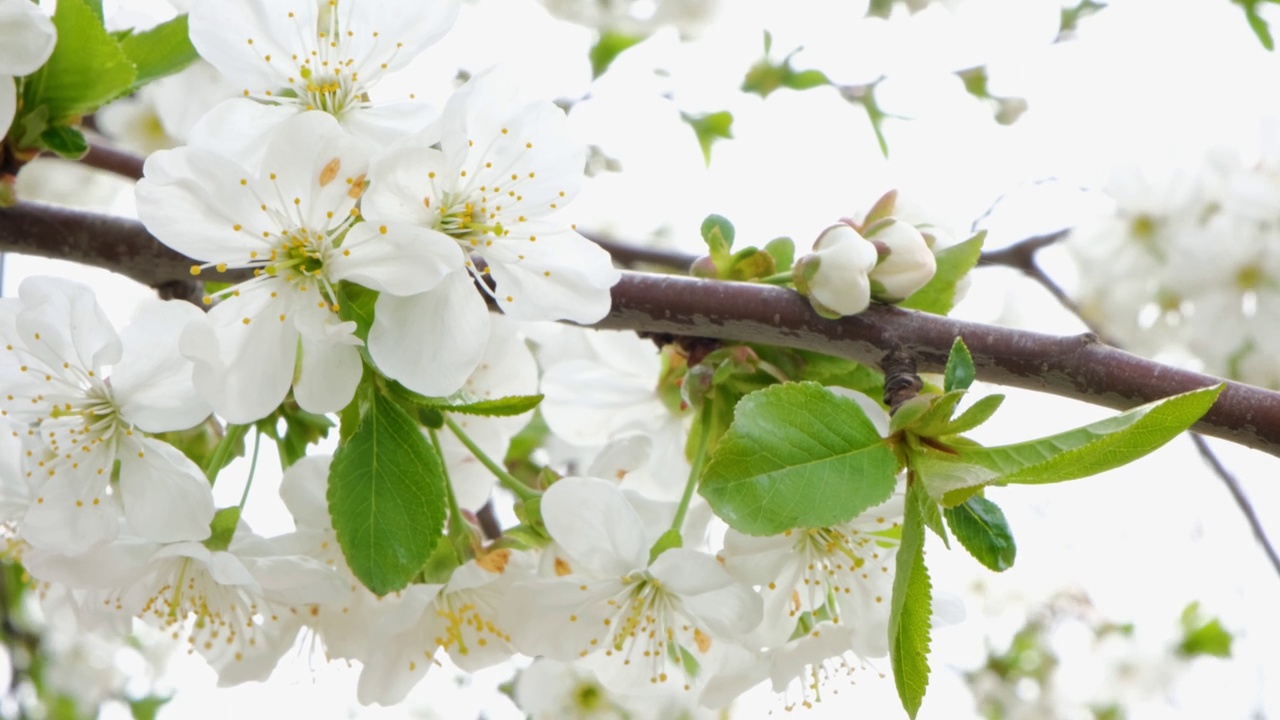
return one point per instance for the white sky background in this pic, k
(1143, 80)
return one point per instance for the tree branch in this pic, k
(1077, 367)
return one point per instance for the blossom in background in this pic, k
(162, 114)
(292, 221)
(300, 55)
(78, 420)
(637, 17)
(27, 38)
(835, 276)
(492, 190)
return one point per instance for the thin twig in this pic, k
(1237, 492)
(1021, 256)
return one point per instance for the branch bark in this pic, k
(1077, 367)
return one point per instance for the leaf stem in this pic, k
(699, 461)
(222, 452)
(522, 491)
(253, 467)
(455, 512)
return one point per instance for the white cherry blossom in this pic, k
(293, 222)
(492, 189)
(291, 56)
(834, 276)
(641, 623)
(79, 419)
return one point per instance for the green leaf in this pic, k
(797, 455)
(783, 250)
(148, 708)
(607, 49)
(163, 50)
(805, 80)
(1203, 637)
(717, 233)
(709, 128)
(1089, 450)
(751, 263)
(87, 68)
(386, 498)
(67, 142)
(959, 373)
(980, 412)
(938, 296)
(355, 304)
(980, 527)
(911, 608)
(497, 407)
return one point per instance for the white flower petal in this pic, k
(432, 341)
(561, 276)
(166, 496)
(237, 37)
(27, 36)
(243, 369)
(204, 205)
(61, 321)
(65, 517)
(386, 36)
(238, 128)
(727, 608)
(303, 489)
(596, 526)
(328, 376)
(316, 167)
(400, 259)
(403, 187)
(381, 125)
(152, 383)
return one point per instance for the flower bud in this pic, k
(834, 276)
(906, 263)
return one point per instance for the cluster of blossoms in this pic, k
(1185, 267)
(342, 239)
(883, 258)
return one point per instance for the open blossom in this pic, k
(78, 419)
(237, 607)
(639, 623)
(291, 56)
(27, 38)
(293, 222)
(491, 190)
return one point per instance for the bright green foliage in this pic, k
(717, 233)
(911, 608)
(980, 527)
(497, 407)
(1077, 453)
(302, 429)
(939, 295)
(959, 373)
(710, 127)
(797, 455)
(163, 50)
(1203, 637)
(607, 49)
(978, 413)
(386, 498)
(86, 70)
(355, 304)
(1256, 23)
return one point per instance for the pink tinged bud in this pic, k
(905, 263)
(834, 276)
(704, 267)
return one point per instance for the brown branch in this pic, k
(1022, 256)
(1077, 367)
(628, 255)
(120, 162)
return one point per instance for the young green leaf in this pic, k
(710, 127)
(978, 413)
(939, 295)
(497, 407)
(386, 498)
(1084, 451)
(911, 608)
(607, 49)
(980, 527)
(67, 142)
(1203, 637)
(87, 68)
(959, 373)
(163, 50)
(783, 250)
(797, 455)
